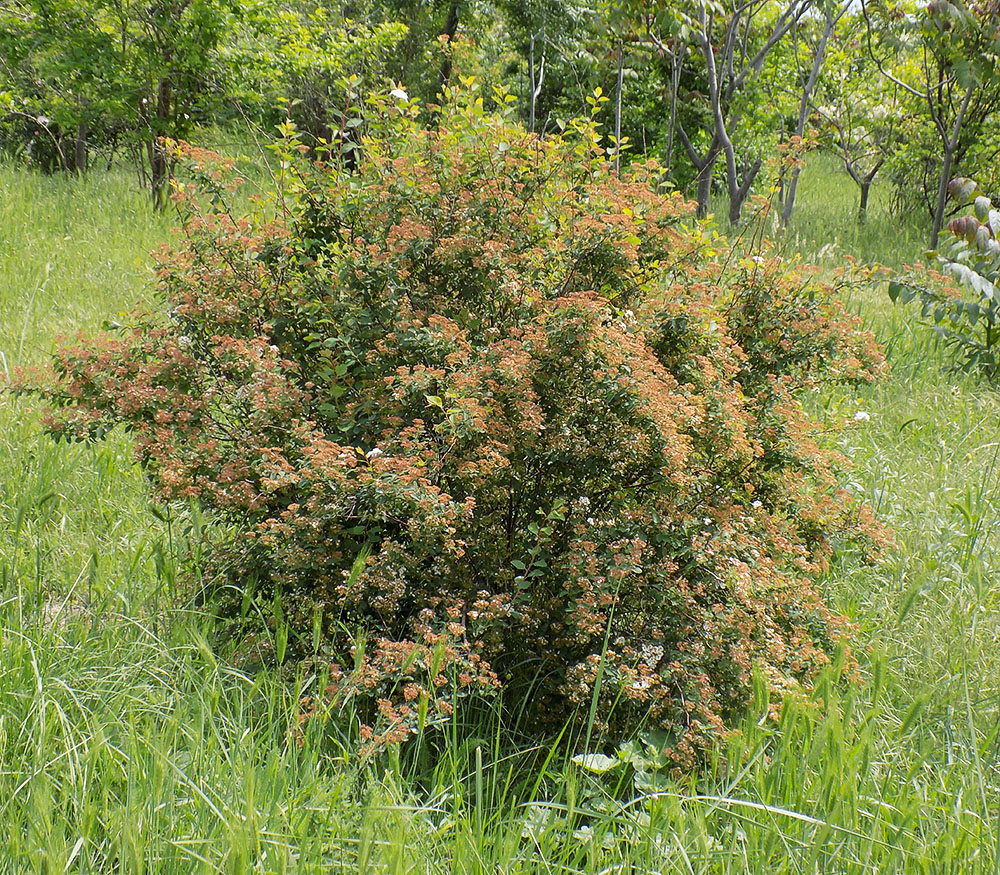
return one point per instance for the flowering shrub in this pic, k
(485, 414)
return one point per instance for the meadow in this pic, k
(127, 744)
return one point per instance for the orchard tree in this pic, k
(563, 48)
(57, 68)
(944, 56)
(424, 58)
(719, 48)
(140, 73)
(810, 41)
(860, 117)
(142, 68)
(170, 50)
(304, 61)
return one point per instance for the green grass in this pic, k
(127, 745)
(824, 221)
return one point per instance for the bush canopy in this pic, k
(484, 414)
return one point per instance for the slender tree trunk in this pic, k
(618, 109)
(950, 145)
(789, 205)
(80, 151)
(721, 136)
(723, 86)
(531, 83)
(158, 164)
(535, 83)
(942, 196)
(865, 184)
(781, 168)
(739, 193)
(450, 29)
(705, 186)
(735, 209)
(807, 90)
(705, 165)
(676, 68)
(866, 187)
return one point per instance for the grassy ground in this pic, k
(127, 746)
(825, 219)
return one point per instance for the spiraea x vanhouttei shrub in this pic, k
(482, 412)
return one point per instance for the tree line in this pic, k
(713, 89)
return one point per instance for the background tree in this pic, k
(943, 55)
(808, 75)
(296, 60)
(144, 70)
(860, 118)
(58, 67)
(720, 49)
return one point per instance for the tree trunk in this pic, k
(942, 196)
(704, 164)
(781, 167)
(450, 28)
(722, 87)
(705, 187)
(618, 109)
(80, 152)
(158, 166)
(790, 190)
(735, 210)
(535, 82)
(531, 83)
(865, 184)
(807, 90)
(947, 160)
(739, 193)
(721, 134)
(676, 68)
(866, 187)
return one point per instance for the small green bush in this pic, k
(484, 414)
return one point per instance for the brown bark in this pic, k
(80, 149)
(158, 164)
(450, 29)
